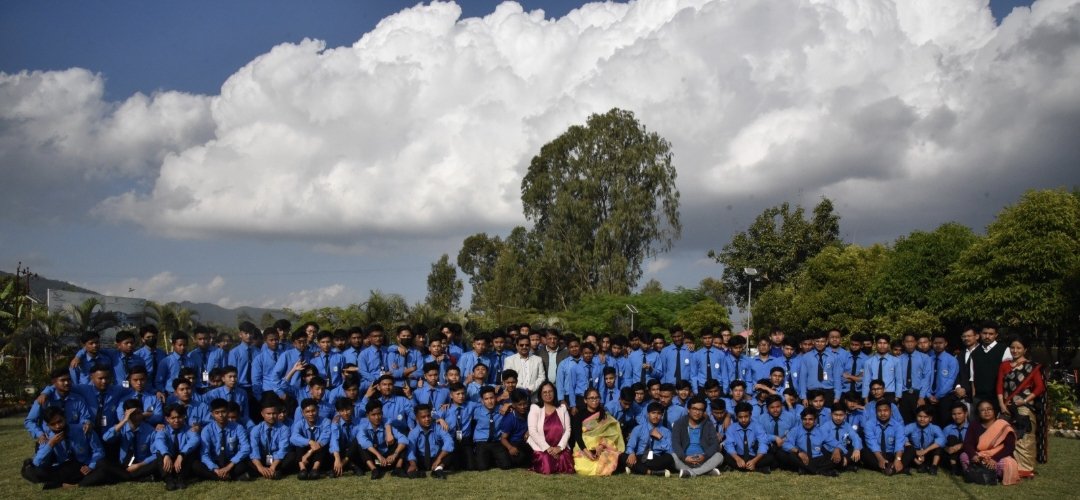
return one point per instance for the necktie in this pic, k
(809, 446)
(737, 376)
(666, 424)
(373, 436)
(610, 393)
(881, 370)
(347, 438)
(820, 366)
(153, 359)
(588, 374)
(427, 448)
(101, 408)
(223, 449)
(248, 369)
(933, 377)
(491, 426)
(708, 364)
(131, 446)
(907, 381)
(883, 450)
(648, 447)
(643, 361)
(498, 368)
(457, 426)
(678, 363)
(922, 438)
(836, 433)
(776, 426)
(311, 433)
(326, 366)
(60, 451)
(127, 364)
(746, 442)
(175, 442)
(266, 442)
(962, 432)
(854, 360)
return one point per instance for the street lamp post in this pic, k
(751, 272)
(633, 310)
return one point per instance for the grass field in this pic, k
(1059, 479)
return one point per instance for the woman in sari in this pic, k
(1019, 386)
(990, 443)
(549, 433)
(597, 437)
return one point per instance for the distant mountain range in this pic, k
(208, 313)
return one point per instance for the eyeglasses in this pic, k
(592, 398)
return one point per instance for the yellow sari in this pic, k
(604, 436)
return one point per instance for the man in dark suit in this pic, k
(550, 351)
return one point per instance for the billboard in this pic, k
(129, 311)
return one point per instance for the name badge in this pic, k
(825, 377)
(459, 435)
(205, 376)
(104, 420)
(269, 459)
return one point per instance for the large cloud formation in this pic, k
(902, 110)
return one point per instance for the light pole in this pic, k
(751, 272)
(633, 310)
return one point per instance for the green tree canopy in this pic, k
(913, 276)
(444, 287)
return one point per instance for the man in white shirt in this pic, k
(529, 367)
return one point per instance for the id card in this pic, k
(269, 460)
(104, 421)
(459, 435)
(125, 384)
(649, 456)
(205, 376)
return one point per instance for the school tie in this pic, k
(491, 426)
(883, 450)
(666, 424)
(427, 448)
(348, 435)
(881, 368)
(643, 361)
(498, 368)
(820, 366)
(708, 364)
(907, 382)
(678, 363)
(809, 446)
(776, 426)
(836, 433)
(922, 438)
(127, 364)
(648, 447)
(153, 359)
(311, 433)
(854, 360)
(326, 366)
(746, 442)
(175, 442)
(101, 409)
(60, 451)
(457, 426)
(588, 374)
(222, 459)
(933, 377)
(738, 375)
(131, 447)
(273, 355)
(248, 370)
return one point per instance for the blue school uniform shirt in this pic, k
(169, 369)
(434, 396)
(205, 361)
(242, 356)
(398, 364)
(325, 407)
(486, 424)
(791, 371)
(737, 369)
(821, 442)
(565, 382)
(672, 356)
(621, 364)
(884, 368)
(672, 414)
(778, 427)
(122, 365)
(285, 362)
(813, 364)
(844, 434)
(708, 362)
(496, 363)
(870, 415)
(745, 441)
(149, 401)
(947, 368)
(444, 364)
(330, 367)
(172, 442)
(369, 436)
(397, 411)
(920, 373)
(960, 433)
(137, 442)
(469, 360)
(760, 369)
(641, 440)
(891, 433)
(586, 375)
(846, 365)
(639, 357)
(81, 374)
(75, 412)
(102, 405)
(198, 413)
(609, 394)
(923, 437)
(342, 434)
(459, 418)
(303, 431)
(272, 440)
(234, 395)
(152, 359)
(262, 370)
(372, 365)
(434, 439)
(235, 448)
(514, 427)
(83, 448)
(627, 417)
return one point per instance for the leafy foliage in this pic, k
(444, 287)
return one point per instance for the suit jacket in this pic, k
(680, 438)
(560, 355)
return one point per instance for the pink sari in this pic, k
(542, 461)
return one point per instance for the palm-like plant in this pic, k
(86, 317)
(170, 318)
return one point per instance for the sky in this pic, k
(299, 154)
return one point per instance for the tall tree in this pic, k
(602, 199)
(477, 259)
(913, 276)
(444, 287)
(1024, 273)
(777, 244)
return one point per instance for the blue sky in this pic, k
(101, 210)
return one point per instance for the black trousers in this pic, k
(70, 473)
(659, 462)
(463, 458)
(286, 466)
(951, 460)
(817, 466)
(869, 460)
(492, 453)
(523, 458)
(186, 466)
(767, 460)
(909, 402)
(367, 456)
(322, 456)
(908, 457)
(150, 469)
(200, 470)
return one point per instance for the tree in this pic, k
(477, 259)
(914, 274)
(444, 287)
(714, 289)
(777, 244)
(86, 317)
(1024, 272)
(652, 286)
(387, 309)
(602, 199)
(706, 312)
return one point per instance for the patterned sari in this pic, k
(604, 436)
(1030, 444)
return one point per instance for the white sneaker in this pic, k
(626, 470)
(683, 474)
(714, 472)
(667, 473)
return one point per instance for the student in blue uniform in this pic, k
(457, 420)
(645, 363)
(138, 388)
(344, 449)
(134, 437)
(430, 446)
(430, 392)
(178, 446)
(852, 366)
(272, 456)
(625, 411)
(789, 361)
(151, 356)
(170, 367)
(479, 373)
(737, 394)
(738, 364)
(913, 378)
(648, 451)
(565, 371)
(746, 446)
(196, 412)
(777, 424)
(846, 437)
(316, 390)
(373, 362)
(231, 392)
(90, 356)
(489, 451)
(925, 442)
(708, 361)
(955, 433)
(676, 357)
(76, 412)
(262, 367)
(587, 374)
(672, 411)
(877, 393)
(329, 364)
(721, 418)
(68, 456)
(882, 365)
(762, 365)
(242, 356)
(945, 369)
(818, 371)
(383, 446)
(124, 358)
(512, 431)
(310, 437)
(225, 449)
(206, 356)
(810, 449)
(884, 440)
(397, 410)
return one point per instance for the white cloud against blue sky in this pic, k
(323, 167)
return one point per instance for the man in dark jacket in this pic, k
(693, 442)
(551, 352)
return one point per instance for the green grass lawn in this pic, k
(1058, 479)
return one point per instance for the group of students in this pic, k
(329, 404)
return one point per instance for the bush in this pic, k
(1061, 402)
